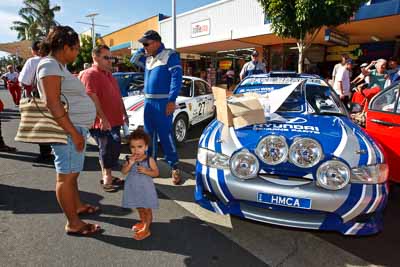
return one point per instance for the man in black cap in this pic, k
(252, 67)
(163, 80)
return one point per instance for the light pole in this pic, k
(174, 24)
(92, 24)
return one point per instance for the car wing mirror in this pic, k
(355, 108)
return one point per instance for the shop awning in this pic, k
(380, 29)
(22, 48)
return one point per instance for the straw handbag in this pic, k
(37, 125)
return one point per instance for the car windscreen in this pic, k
(186, 88)
(314, 96)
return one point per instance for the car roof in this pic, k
(127, 73)
(284, 74)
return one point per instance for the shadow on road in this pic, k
(186, 236)
(22, 200)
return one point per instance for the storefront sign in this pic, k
(201, 28)
(225, 64)
(190, 56)
(364, 52)
(336, 38)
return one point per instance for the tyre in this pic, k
(180, 128)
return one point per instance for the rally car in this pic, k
(194, 104)
(309, 166)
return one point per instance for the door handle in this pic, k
(385, 123)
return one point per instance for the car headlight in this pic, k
(244, 165)
(333, 175)
(305, 152)
(372, 174)
(272, 149)
(212, 158)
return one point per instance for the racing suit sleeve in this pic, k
(175, 68)
(139, 58)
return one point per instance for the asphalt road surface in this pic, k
(183, 234)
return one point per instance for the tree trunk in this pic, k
(301, 47)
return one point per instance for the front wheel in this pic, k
(180, 128)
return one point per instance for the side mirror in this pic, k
(355, 108)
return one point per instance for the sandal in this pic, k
(176, 177)
(88, 210)
(141, 235)
(109, 188)
(6, 148)
(137, 227)
(115, 181)
(86, 230)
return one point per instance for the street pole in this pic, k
(174, 24)
(91, 16)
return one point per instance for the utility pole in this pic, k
(92, 26)
(174, 24)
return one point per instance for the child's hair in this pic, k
(139, 134)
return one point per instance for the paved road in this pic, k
(31, 224)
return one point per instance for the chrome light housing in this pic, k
(272, 149)
(244, 165)
(212, 158)
(333, 175)
(372, 174)
(305, 152)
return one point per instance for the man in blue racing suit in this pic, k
(162, 83)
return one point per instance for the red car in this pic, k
(383, 124)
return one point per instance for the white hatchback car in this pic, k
(194, 104)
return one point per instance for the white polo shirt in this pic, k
(28, 71)
(343, 76)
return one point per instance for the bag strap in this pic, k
(36, 90)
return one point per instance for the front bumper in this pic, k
(354, 210)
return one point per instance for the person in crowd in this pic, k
(252, 67)
(342, 82)
(139, 189)
(361, 77)
(103, 88)
(230, 78)
(3, 146)
(86, 65)
(26, 77)
(394, 72)
(211, 75)
(163, 81)
(54, 79)
(10, 78)
(338, 66)
(378, 76)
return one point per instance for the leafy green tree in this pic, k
(85, 53)
(43, 13)
(303, 19)
(27, 28)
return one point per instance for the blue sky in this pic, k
(114, 13)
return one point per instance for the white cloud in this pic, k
(6, 19)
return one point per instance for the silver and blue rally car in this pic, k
(311, 168)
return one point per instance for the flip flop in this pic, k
(115, 181)
(6, 148)
(141, 235)
(137, 227)
(89, 210)
(86, 230)
(109, 188)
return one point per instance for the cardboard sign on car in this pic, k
(238, 110)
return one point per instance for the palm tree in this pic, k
(27, 28)
(42, 12)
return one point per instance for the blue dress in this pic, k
(139, 189)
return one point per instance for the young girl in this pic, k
(139, 189)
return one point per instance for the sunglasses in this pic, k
(147, 44)
(108, 58)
